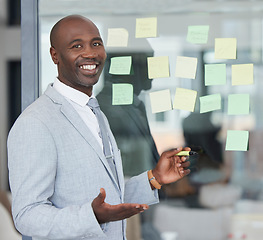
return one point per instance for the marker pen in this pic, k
(186, 153)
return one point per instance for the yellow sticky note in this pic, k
(185, 99)
(186, 67)
(160, 101)
(117, 37)
(146, 27)
(158, 67)
(237, 140)
(225, 48)
(242, 74)
(122, 94)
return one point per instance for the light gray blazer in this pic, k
(56, 169)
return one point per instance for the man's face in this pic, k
(79, 54)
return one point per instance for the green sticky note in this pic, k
(238, 104)
(120, 65)
(185, 99)
(237, 140)
(215, 74)
(210, 103)
(242, 74)
(160, 101)
(197, 34)
(158, 67)
(225, 48)
(122, 94)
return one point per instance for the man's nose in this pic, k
(89, 52)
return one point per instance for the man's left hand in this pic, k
(171, 167)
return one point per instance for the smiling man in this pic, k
(63, 185)
(78, 51)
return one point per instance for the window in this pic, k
(223, 185)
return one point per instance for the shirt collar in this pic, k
(71, 93)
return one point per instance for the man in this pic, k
(62, 184)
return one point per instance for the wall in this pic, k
(10, 50)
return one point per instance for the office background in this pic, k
(223, 197)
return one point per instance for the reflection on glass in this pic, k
(129, 123)
(225, 184)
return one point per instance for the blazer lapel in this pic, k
(73, 117)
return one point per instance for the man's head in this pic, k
(77, 50)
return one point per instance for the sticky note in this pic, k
(225, 48)
(160, 101)
(122, 94)
(237, 140)
(146, 27)
(120, 65)
(238, 104)
(197, 34)
(215, 74)
(186, 67)
(210, 103)
(158, 67)
(185, 99)
(242, 74)
(117, 37)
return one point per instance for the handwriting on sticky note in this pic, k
(238, 104)
(210, 103)
(225, 48)
(215, 74)
(197, 34)
(242, 74)
(158, 67)
(186, 67)
(120, 65)
(237, 140)
(122, 94)
(185, 99)
(117, 37)
(146, 27)
(160, 101)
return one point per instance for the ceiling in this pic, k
(131, 7)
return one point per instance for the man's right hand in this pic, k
(105, 212)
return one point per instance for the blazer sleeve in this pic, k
(138, 190)
(32, 161)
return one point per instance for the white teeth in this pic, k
(88, 67)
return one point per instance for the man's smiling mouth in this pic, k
(88, 66)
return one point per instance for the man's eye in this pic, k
(96, 44)
(77, 46)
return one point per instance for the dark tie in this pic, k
(94, 105)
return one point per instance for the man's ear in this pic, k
(53, 54)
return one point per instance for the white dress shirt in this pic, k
(79, 101)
